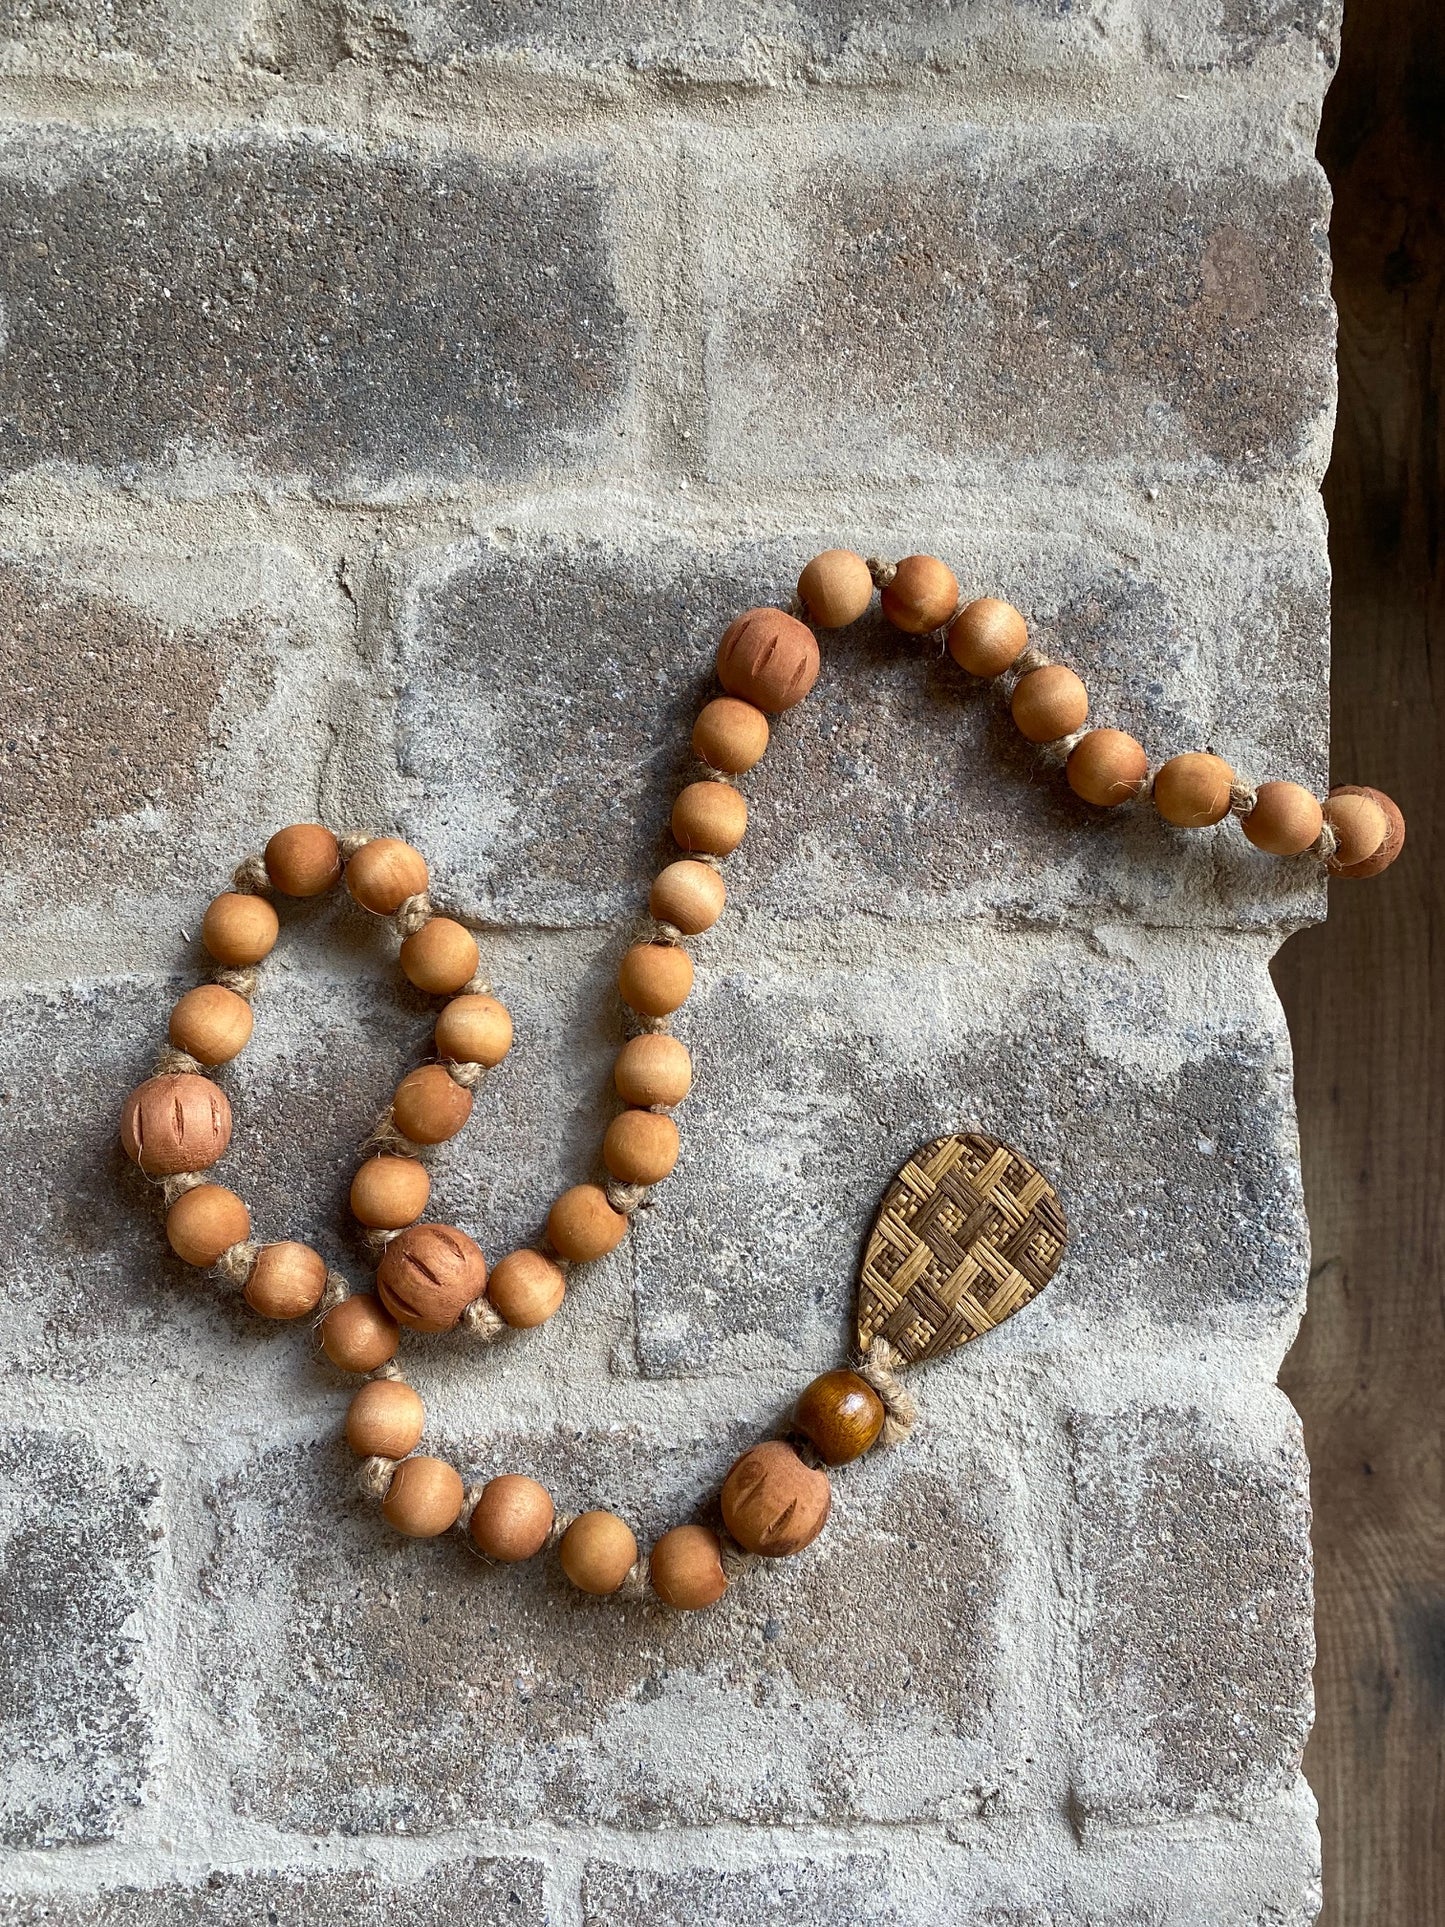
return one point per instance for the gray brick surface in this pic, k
(842, 1893)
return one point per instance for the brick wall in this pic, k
(395, 400)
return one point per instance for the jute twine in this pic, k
(878, 1367)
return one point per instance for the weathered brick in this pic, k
(851, 1892)
(75, 1553)
(121, 33)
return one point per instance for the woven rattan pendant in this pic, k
(969, 1232)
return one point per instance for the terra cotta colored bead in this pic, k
(653, 1069)
(474, 1029)
(772, 1503)
(424, 1498)
(640, 1147)
(686, 1569)
(1286, 819)
(205, 1221)
(987, 637)
(385, 1420)
(1106, 768)
(179, 1122)
(1359, 826)
(1049, 703)
(1194, 790)
(512, 1518)
(688, 895)
(441, 957)
(842, 1415)
(768, 658)
(429, 1106)
(359, 1334)
(429, 1274)
(211, 1023)
(303, 860)
(837, 587)
(239, 930)
(597, 1552)
(384, 873)
(389, 1192)
(730, 735)
(582, 1225)
(286, 1280)
(655, 978)
(525, 1289)
(711, 817)
(1394, 834)
(922, 595)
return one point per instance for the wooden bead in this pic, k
(384, 873)
(1286, 819)
(640, 1147)
(389, 1192)
(429, 1106)
(239, 930)
(837, 587)
(474, 1029)
(582, 1225)
(1049, 703)
(597, 1552)
(768, 658)
(842, 1414)
(1394, 834)
(424, 1498)
(359, 1334)
(711, 817)
(922, 595)
(441, 957)
(653, 1069)
(212, 1023)
(1359, 826)
(286, 1281)
(686, 1569)
(205, 1221)
(429, 1275)
(1193, 791)
(772, 1503)
(730, 735)
(385, 1420)
(689, 896)
(526, 1289)
(655, 978)
(175, 1123)
(1106, 768)
(987, 637)
(303, 860)
(512, 1518)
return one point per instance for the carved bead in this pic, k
(205, 1221)
(730, 735)
(1394, 841)
(987, 637)
(441, 957)
(1106, 768)
(286, 1281)
(385, 1420)
(769, 659)
(474, 1029)
(582, 1225)
(1193, 791)
(653, 1069)
(384, 873)
(389, 1192)
(922, 595)
(837, 586)
(424, 1498)
(1359, 826)
(655, 978)
(597, 1552)
(526, 1289)
(303, 860)
(512, 1518)
(359, 1334)
(711, 817)
(686, 1569)
(1286, 819)
(429, 1106)
(688, 895)
(212, 1023)
(842, 1414)
(1049, 703)
(175, 1123)
(772, 1503)
(239, 930)
(429, 1275)
(640, 1147)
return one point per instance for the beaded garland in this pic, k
(968, 1233)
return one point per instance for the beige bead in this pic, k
(429, 1274)
(686, 1569)
(211, 1023)
(286, 1281)
(653, 1069)
(655, 978)
(440, 958)
(1049, 703)
(597, 1552)
(1286, 819)
(640, 1147)
(730, 735)
(385, 1420)
(689, 896)
(1389, 849)
(512, 1518)
(837, 586)
(987, 637)
(1359, 826)
(239, 930)
(424, 1498)
(389, 1192)
(1193, 791)
(772, 1503)
(922, 595)
(359, 1334)
(711, 817)
(474, 1029)
(1106, 768)
(303, 860)
(769, 659)
(175, 1123)
(429, 1106)
(526, 1289)
(384, 873)
(205, 1221)
(582, 1225)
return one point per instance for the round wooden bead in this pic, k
(238, 930)
(429, 1106)
(772, 1503)
(655, 978)
(384, 873)
(922, 595)
(389, 1192)
(987, 637)
(842, 1415)
(359, 1334)
(837, 587)
(640, 1147)
(1394, 834)
(205, 1221)
(303, 860)
(597, 1552)
(711, 817)
(176, 1123)
(653, 1069)
(686, 1569)
(1049, 703)
(582, 1225)
(441, 957)
(730, 735)
(1286, 819)
(1106, 768)
(1193, 791)
(689, 896)
(424, 1498)
(526, 1289)
(1359, 826)
(474, 1029)
(429, 1275)
(286, 1281)
(769, 659)
(211, 1023)
(512, 1518)
(385, 1420)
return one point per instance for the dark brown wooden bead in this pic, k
(429, 1274)
(842, 1414)
(772, 1503)
(175, 1123)
(768, 658)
